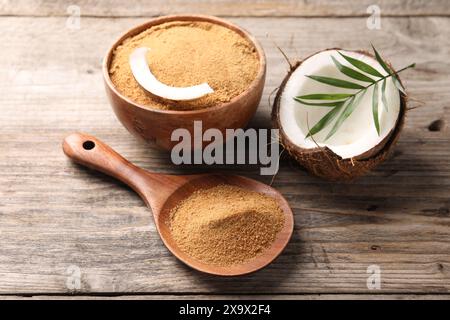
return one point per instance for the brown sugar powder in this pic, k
(187, 53)
(226, 225)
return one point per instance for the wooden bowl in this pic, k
(155, 126)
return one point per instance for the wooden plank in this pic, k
(261, 8)
(54, 214)
(66, 71)
(240, 297)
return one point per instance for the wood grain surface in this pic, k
(55, 214)
(258, 8)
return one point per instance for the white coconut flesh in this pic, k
(143, 75)
(358, 133)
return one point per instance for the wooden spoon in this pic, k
(163, 192)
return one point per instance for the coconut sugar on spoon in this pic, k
(187, 53)
(226, 225)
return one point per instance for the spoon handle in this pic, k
(93, 153)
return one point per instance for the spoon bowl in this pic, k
(163, 192)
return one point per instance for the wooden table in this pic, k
(59, 221)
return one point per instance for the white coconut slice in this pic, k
(143, 75)
(358, 134)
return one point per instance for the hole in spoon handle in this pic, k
(93, 153)
(88, 145)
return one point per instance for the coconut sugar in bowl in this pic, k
(183, 51)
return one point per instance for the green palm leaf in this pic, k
(381, 61)
(396, 80)
(398, 84)
(325, 96)
(344, 104)
(341, 118)
(351, 73)
(322, 123)
(375, 107)
(362, 66)
(353, 102)
(321, 104)
(386, 68)
(383, 95)
(336, 82)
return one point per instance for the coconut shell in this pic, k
(323, 162)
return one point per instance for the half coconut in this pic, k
(358, 145)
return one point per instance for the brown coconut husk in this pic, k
(323, 162)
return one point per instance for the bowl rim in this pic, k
(185, 17)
